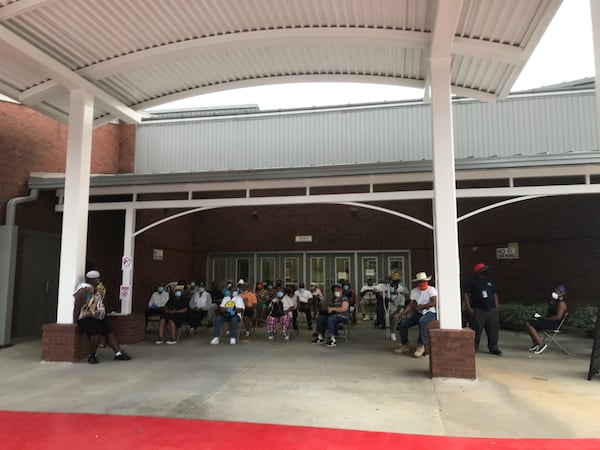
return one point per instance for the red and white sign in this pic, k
(126, 263)
(124, 292)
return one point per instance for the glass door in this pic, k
(316, 271)
(292, 270)
(267, 268)
(342, 268)
(397, 264)
(369, 269)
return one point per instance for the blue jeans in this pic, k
(416, 319)
(235, 320)
(331, 321)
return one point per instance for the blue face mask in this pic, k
(346, 287)
(279, 294)
(161, 290)
(192, 285)
(88, 297)
(226, 292)
(392, 289)
(201, 290)
(270, 286)
(235, 293)
(177, 294)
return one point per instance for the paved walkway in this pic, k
(358, 386)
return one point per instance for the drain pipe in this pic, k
(8, 258)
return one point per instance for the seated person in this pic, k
(250, 302)
(317, 296)
(350, 294)
(231, 310)
(420, 311)
(332, 315)
(157, 302)
(556, 310)
(89, 314)
(396, 307)
(303, 300)
(173, 316)
(281, 308)
(201, 306)
(367, 299)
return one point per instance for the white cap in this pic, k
(92, 274)
(241, 281)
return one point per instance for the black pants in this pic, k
(380, 322)
(486, 319)
(303, 308)
(195, 317)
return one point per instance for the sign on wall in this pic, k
(304, 238)
(126, 263)
(124, 292)
(157, 254)
(511, 251)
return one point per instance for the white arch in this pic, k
(498, 205)
(388, 211)
(168, 219)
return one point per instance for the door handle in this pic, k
(47, 287)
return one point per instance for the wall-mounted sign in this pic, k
(157, 254)
(304, 238)
(124, 292)
(511, 251)
(126, 263)
(370, 272)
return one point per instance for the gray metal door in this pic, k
(38, 284)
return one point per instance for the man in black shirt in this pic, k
(481, 303)
(173, 315)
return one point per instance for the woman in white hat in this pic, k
(420, 310)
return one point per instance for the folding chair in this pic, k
(183, 331)
(551, 335)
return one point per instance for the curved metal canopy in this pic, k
(135, 54)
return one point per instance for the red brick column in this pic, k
(63, 342)
(451, 352)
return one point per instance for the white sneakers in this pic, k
(232, 341)
(214, 341)
(393, 336)
(365, 318)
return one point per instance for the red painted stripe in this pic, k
(49, 431)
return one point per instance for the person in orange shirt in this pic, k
(250, 302)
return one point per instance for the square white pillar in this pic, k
(76, 200)
(128, 250)
(444, 202)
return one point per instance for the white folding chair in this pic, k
(551, 335)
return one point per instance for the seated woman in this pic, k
(173, 315)
(332, 314)
(281, 311)
(556, 310)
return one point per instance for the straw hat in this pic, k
(422, 276)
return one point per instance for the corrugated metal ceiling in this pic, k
(147, 52)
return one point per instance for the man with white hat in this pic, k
(420, 310)
(481, 302)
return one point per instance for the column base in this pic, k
(129, 329)
(452, 353)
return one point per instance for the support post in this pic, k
(128, 250)
(595, 13)
(8, 261)
(76, 200)
(444, 201)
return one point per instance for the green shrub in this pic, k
(584, 318)
(513, 315)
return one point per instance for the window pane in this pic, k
(370, 269)
(267, 269)
(396, 264)
(342, 268)
(243, 269)
(291, 271)
(317, 272)
(220, 270)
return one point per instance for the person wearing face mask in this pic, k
(250, 302)
(89, 315)
(336, 313)
(481, 304)
(350, 294)
(231, 310)
(368, 299)
(200, 307)
(396, 307)
(157, 302)
(420, 311)
(173, 316)
(302, 299)
(281, 308)
(556, 310)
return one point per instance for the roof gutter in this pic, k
(11, 205)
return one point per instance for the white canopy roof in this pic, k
(135, 54)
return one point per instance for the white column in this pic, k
(76, 199)
(128, 250)
(444, 202)
(595, 12)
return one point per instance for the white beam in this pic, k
(67, 77)
(20, 7)
(595, 13)
(128, 250)
(478, 48)
(75, 216)
(444, 29)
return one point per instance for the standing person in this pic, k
(302, 300)
(556, 311)
(89, 314)
(481, 303)
(422, 305)
(231, 310)
(250, 302)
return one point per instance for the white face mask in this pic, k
(338, 294)
(554, 295)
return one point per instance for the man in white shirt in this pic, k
(367, 299)
(302, 301)
(200, 307)
(423, 301)
(231, 310)
(157, 302)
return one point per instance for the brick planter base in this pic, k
(64, 342)
(452, 353)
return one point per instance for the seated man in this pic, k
(302, 300)
(89, 314)
(250, 302)
(200, 307)
(556, 310)
(396, 307)
(231, 310)
(157, 302)
(173, 316)
(281, 308)
(336, 313)
(423, 300)
(367, 299)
